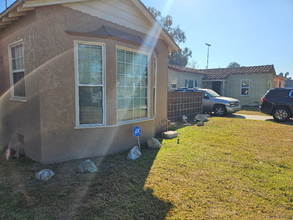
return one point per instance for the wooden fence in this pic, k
(184, 103)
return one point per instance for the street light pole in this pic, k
(208, 55)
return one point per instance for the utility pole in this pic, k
(208, 55)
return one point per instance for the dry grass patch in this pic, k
(250, 110)
(229, 168)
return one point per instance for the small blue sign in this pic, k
(136, 131)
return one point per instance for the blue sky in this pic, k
(250, 32)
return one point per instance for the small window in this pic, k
(17, 71)
(269, 85)
(173, 83)
(245, 87)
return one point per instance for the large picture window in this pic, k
(132, 85)
(90, 83)
(17, 71)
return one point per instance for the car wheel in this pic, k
(281, 114)
(220, 110)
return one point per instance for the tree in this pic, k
(177, 34)
(233, 65)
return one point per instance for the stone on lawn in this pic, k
(87, 166)
(200, 123)
(169, 134)
(202, 117)
(45, 174)
(134, 153)
(154, 143)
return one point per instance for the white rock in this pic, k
(45, 174)
(154, 143)
(169, 134)
(87, 166)
(134, 153)
(202, 117)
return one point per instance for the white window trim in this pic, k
(76, 42)
(15, 98)
(171, 83)
(155, 87)
(148, 87)
(244, 87)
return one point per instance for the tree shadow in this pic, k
(116, 191)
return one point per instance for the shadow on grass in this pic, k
(116, 191)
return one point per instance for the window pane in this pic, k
(90, 105)
(245, 83)
(96, 78)
(13, 52)
(190, 84)
(19, 84)
(195, 83)
(129, 57)
(84, 77)
(244, 91)
(121, 104)
(121, 80)
(121, 114)
(136, 58)
(120, 67)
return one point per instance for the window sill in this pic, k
(116, 125)
(18, 99)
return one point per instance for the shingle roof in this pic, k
(186, 69)
(223, 73)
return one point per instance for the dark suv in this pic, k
(278, 102)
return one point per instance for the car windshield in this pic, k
(212, 93)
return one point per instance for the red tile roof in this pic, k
(223, 73)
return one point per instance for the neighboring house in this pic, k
(247, 84)
(279, 81)
(77, 76)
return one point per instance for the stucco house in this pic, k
(280, 81)
(76, 76)
(247, 84)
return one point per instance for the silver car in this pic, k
(213, 102)
(220, 105)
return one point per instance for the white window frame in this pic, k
(77, 84)
(244, 87)
(11, 71)
(269, 85)
(155, 65)
(173, 84)
(148, 85)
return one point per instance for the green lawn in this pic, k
(227, 169)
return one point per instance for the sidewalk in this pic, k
(252, 117)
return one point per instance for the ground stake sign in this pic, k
(137, 132)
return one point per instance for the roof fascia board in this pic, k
(36, 3)
(13, 14)
(20, 8)
(6, 18)
(152, 20)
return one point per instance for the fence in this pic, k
(184, 103)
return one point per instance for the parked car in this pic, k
(213, 102)
(278, 102)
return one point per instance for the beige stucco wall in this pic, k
(54, 74)
(20, 117)
(181, 77)
(258, 87)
